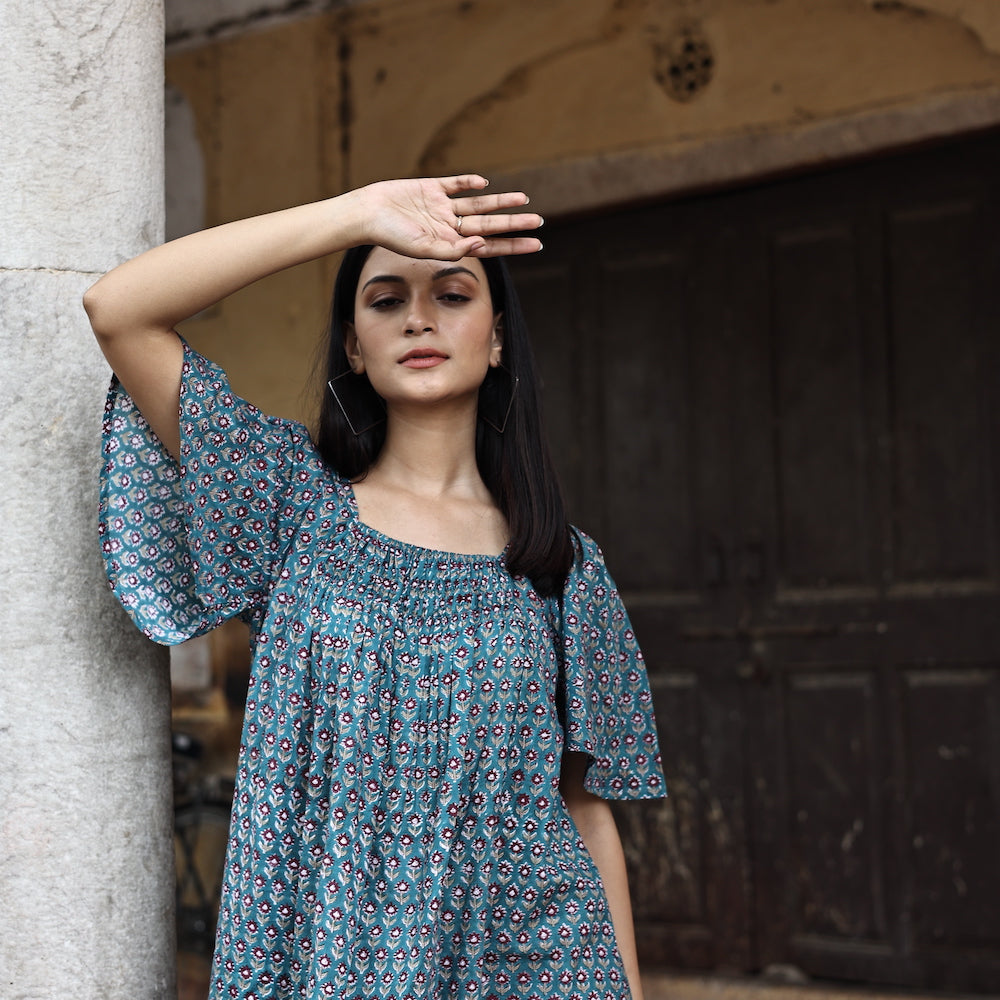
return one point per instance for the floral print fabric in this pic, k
(398, 830)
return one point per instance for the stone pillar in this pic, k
(86, 881)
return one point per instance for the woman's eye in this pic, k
(385, 303)
(455, 297)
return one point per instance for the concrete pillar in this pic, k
(86, 882)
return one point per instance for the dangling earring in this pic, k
(493, 394)
(350, 423)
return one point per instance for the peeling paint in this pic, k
(897, 6)
(847, 841)
(197, 23)
(719, 825)
(977, 19)
(515, 83)
(436, 151)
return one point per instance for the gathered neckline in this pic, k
(423, 551)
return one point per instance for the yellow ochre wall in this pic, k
(522, 88)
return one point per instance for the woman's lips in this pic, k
(422, 359)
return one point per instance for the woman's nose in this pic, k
(418, 318)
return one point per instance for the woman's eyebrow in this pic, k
(399, 280)
(392, 278)
(445, 271)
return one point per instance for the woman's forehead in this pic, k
(383, 261)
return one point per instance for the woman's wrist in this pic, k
(351, 215)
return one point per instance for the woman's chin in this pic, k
(432, 405)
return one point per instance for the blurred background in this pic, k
(766, 317)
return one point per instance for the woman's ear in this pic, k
(496, 345)
(352, 348)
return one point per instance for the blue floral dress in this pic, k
(397, 830)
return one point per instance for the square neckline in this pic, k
(388, 541)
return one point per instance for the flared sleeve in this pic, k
(608, 707)
(188, 545)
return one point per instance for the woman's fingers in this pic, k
(509, 246)
(482, 215)
(486, 203)
(463, 182)
(486, 225)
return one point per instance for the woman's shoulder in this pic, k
(209, 399)
(588, 557)
(206, 383)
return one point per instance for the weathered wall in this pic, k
(528, 84)
(263, 106)
(86, 887)
(571, 97)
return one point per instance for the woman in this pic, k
(445, 687)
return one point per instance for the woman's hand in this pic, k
(442, 219)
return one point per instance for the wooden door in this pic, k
(777, 410)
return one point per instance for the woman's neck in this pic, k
(430, 455)
(425, 488)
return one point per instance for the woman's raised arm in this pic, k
(135, 308)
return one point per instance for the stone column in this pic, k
(86, 881)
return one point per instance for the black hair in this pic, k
(515, 464)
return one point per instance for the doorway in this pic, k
(777, 409)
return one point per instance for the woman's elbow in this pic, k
(591, 815)
(96, 307)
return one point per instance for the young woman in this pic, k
(445, 687)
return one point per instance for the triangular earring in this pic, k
(343, 409)
(496, 401)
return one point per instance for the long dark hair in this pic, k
(515, 464)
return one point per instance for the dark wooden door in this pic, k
(777, 409)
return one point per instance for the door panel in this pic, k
(833, 780)
(952, 725)
(549, 292)
(685, 854)
(650, 472)
(898, 261)
(940, 346)
(817, 411)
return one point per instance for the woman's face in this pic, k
(424, 331)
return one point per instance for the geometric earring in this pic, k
(350, 423)
(496, 400)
